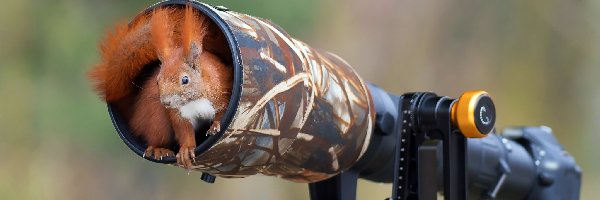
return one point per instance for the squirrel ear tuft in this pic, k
(193, 30)
(162, 32)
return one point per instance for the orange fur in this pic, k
(162, 32)
(208, 78)
(175, 38)
(193, 30)
(126, 50)
(124, 53)
(185, 135)
(219, 77)
(149, 118)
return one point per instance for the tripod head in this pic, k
(428, 133)
(413, 120)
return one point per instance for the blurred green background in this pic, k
(539, 59)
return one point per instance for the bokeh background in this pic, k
(540, 59)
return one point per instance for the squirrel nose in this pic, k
(169, 100)
(166, 101)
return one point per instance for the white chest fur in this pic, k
(197, 109)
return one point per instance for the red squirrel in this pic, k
(192, 84)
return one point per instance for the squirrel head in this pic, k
(180, 78)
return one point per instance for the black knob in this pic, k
(206, 177)
(545, 179)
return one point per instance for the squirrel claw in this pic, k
(157, 153)
(186, 157)
(149, 151)
(214, 128)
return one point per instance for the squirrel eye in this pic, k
(185, 80)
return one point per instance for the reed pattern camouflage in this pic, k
(298, 108)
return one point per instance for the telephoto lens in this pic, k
(294, 112)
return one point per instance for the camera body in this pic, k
(555, 173)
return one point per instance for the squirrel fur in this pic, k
(191, 84)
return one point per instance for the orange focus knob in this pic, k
(474, 114)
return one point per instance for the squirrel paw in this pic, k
(157, 153)
(186, 157)
(214, 128)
